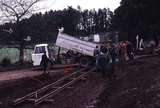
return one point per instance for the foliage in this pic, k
(140, 17)
(44, 27)
(5, 62)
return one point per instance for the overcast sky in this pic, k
(84, 4)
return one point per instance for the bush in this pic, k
(5, 62)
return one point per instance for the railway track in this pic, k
(48, 91)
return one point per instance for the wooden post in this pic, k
(59, 49)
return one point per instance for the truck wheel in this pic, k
(84, 61)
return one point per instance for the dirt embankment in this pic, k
(15, 88)
(137, 86)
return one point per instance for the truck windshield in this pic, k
(39, 50)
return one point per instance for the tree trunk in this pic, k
(21, 42)
(21, 53)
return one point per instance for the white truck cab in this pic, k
(38, 52)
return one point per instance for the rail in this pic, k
(52, 89)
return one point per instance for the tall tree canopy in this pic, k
(44, 27)
(134, 17)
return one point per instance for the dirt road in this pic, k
(24, 73)
(29, 72)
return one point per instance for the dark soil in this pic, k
(10, 90)
(81, 95)
(137, 86)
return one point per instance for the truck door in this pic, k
(37, 54)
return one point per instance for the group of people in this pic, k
(105, 59)
(108, 55)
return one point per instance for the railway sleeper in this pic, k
(55, 87)
(59, 87)
(31, 100)
(47, 100)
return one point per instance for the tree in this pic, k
(102, 20)
(70, 20)
(15, 11)
(44, 27)
(134, 17)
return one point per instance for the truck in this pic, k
(80, 50)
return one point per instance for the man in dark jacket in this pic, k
(113, 58)
(102, 62)
(44, 62)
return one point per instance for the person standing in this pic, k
(122, 51)
(44, 62)
(121, 56)
(102, 62)
(113, 58)
(96, 54)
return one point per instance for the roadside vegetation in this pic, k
(130, 19)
